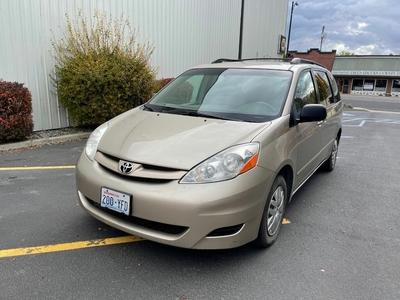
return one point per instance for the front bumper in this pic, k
(206, 216)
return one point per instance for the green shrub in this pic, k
(15, 112)
(101, 71)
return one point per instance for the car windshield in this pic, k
(250, 95)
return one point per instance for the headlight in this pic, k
(93, 141)
(224, 165)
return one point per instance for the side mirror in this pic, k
(312, 113)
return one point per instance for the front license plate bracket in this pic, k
(116, 201)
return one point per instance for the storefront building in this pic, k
(375, 75)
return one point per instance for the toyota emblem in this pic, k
(125, 167)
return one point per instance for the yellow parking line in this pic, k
(76, 245)
(68, 246)
(36, 168)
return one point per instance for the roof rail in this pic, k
(298, 60)
(294, 61)
(221, 60)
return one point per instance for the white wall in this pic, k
(184, 32)
(263, 22)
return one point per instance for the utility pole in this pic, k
(322, 38)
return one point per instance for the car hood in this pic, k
(173, 141)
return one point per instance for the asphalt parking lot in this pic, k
(341, 239)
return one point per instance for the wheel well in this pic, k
(287, 173)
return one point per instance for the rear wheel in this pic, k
(330, 163)
(271, 221)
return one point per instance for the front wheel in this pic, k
(330, 163)
(271, 221)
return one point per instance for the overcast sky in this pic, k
(362, 27)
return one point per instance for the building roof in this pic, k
(324, 58)
(368, 65)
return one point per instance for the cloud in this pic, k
(365, 50)
(356, 28)
(359, 26)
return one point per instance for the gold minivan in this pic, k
(212, 160)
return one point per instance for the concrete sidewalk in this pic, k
(44, 141)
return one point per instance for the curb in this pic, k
(44, 141)
(359, 109)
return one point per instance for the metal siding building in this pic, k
(184, 33)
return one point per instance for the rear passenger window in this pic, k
(335, 89)
(324, 88)
(305, 92)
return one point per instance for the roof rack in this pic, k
(298, 60)
(221, 60)
(293, 61)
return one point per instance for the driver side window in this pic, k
(305, 92)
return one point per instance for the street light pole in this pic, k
(241, 30)
(290, 27)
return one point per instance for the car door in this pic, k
(330, 126)
(308, 134)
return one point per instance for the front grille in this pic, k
(146, 173)
(145, 166)
(161, 227)
(224, 231)
(135, 179)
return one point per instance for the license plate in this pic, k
(116, 201)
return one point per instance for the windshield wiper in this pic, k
(147, 108)
(198, 114)
(194, 113)
(203, 115)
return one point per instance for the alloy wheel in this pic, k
(275, 210)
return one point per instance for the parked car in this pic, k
(212, 160)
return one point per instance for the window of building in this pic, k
(380, 85)
(357, 84)
(368, 85)
(396, 85)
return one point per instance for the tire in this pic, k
(330, 163)
(271, 221)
